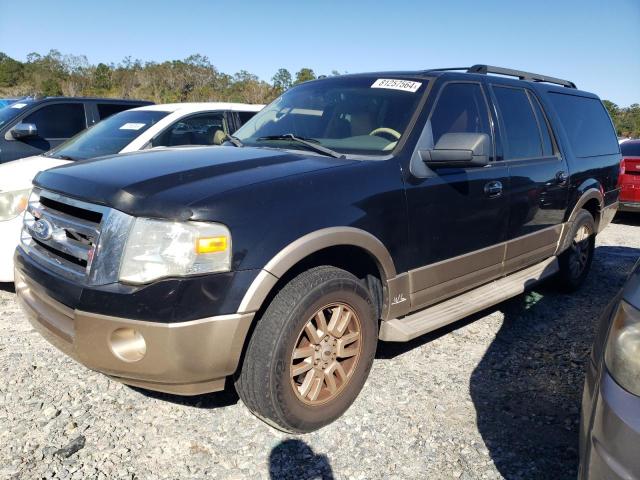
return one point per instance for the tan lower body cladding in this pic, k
(436, 282)
(187, 358)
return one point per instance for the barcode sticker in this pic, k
(404, 85)
(132, 126)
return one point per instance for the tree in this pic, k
(304, 75)
(282, 80)
(11, 71)
(102, 77)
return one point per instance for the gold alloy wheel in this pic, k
(326, 354)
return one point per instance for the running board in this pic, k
(461, 306)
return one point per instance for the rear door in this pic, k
(538, 176)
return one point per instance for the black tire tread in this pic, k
(255, 380)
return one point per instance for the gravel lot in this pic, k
(496, 395)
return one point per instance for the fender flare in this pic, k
(589, 194)
(306, 245)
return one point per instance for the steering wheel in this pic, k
(386, 131)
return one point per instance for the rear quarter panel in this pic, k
(596, 172)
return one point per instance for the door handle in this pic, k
(561, 177)
(493, 189)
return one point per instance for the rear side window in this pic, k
(587, 124)
(62, 120)
(547, 144)
(630, 149)
(107, 109)
(521, 132)
(245, 116)
(461, 108)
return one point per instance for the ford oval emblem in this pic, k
(42, 229)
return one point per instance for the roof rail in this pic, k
(533, 77)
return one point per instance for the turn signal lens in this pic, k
(211, 245)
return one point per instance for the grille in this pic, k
(77, 240)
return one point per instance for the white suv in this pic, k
(169, 125)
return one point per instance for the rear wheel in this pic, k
(311, 351)
(575, 262)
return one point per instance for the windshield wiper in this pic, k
(306, 142)
(234, 140)
(64, 157)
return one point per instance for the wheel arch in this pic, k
(591, 198)
(320, 243)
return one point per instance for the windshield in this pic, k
(12, 111)
(109, 136)
(357, 115)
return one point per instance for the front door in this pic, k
(55, 123)
(457, 216)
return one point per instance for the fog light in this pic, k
(128, 344)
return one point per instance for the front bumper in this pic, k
(186, 358)
(610, 430)
(9, 239)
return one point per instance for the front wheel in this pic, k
(311, 351)
(575, 262)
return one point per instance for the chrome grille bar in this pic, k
(59, 234)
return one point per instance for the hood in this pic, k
(18, 174)
(165, 183)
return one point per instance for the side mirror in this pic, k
(24, 130)
(459, 150)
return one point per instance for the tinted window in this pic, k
(107, 109)
(359, 114)
(196, 130)
(109, 136)
(547, 144)
(630, 149)
(245, 116)
(521, 133)
(587, 125)
(461, 108)
(61, 120)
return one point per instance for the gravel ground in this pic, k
(496, 395)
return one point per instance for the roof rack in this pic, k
(533, 77)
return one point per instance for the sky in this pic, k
(595, 43)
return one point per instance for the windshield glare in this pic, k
(358, 115)
(10, 112)
(109, 136)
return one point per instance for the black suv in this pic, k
(33, 126)
(351, 209)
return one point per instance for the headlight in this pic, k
(159, 248)
(623, 348)
(13, 204)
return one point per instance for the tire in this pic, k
(266, 383)
(575, 261)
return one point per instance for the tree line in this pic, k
(194, 79)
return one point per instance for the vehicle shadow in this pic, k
(209, 401)
(627, 218)
(527, 388)
(8, 287)
(294, 459)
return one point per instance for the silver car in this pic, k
(610, 427)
